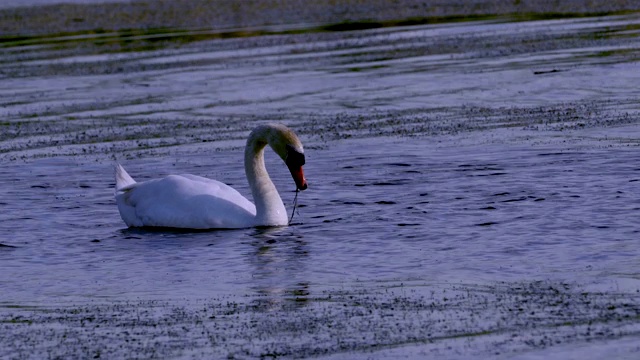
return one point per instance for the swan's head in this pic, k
(286, 144)
(295, 159)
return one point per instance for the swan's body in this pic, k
(195, 202)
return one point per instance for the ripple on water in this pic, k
(429, 163)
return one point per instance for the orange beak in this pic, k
(298, 176)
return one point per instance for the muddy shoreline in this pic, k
(218, 14)
(425, 320)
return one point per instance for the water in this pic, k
(437, 155)
(20, 3)
(418, 211)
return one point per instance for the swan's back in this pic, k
(182, 201)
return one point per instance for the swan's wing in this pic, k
(185, 201)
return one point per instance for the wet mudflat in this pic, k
(473, 192)
(410, 320)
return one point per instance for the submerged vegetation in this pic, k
(489, 320)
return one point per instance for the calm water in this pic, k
(442, 154)
(383, 210)
(18, 3)
(377, 210)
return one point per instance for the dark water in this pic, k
(18, 3)
(472, 153)
(416, 211)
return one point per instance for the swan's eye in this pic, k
(294, 158)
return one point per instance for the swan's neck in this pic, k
(269, 207)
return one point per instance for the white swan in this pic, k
(194, 202)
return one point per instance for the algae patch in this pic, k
(506, 317)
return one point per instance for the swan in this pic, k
(194, 202)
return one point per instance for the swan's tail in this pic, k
(122, 178)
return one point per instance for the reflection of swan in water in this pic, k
(279, 263)
(195, 202)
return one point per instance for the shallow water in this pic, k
(417, 211)
(19, 3)
(470, 153)
(440, 214)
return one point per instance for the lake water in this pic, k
(472, 154)
(411, 211)
(19, 3)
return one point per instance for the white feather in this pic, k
(195, 202)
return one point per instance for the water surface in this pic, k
(492, 155)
